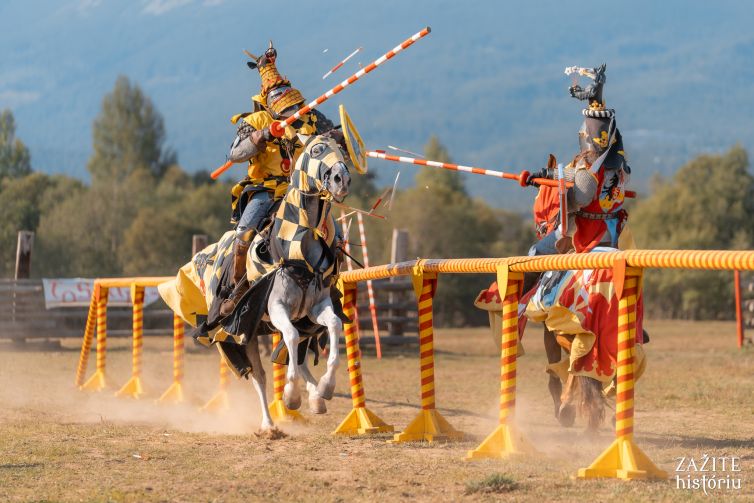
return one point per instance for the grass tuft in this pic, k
(495, 483)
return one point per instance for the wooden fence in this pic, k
(23, 315)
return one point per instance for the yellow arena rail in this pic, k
(623, 458)
(97, 319)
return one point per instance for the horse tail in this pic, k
(591, 401)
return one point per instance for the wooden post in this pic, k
(198, 243)
(398, 253)
(23, 254)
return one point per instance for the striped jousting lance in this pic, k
(370, 288)
(337, 67)
(520, 178)
(277, 128)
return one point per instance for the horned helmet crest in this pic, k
(277, 94)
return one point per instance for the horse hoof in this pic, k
(270, 433)
(326, 390)
(292, 403)
(317, 406)
(567, 415)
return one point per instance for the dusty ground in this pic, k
(59, 444)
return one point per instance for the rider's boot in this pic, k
(240, 248)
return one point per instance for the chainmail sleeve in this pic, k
(584, 187)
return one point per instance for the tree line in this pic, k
(140, 209)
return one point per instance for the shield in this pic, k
(354, 143)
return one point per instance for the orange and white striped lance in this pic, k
(337, 67)
(370, 287)
(520, 178)
(278, 128)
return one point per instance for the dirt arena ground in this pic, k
(58, 444)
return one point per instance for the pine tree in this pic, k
(128, 135)
(15, 160)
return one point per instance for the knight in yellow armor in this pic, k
(270, 159)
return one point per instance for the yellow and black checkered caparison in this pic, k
(305, 212)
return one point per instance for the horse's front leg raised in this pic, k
(325, 315)
(280, 318)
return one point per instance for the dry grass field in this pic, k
(58, 444)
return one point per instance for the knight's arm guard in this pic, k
(248, 143)
(583, 93)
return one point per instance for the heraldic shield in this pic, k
(354, 143)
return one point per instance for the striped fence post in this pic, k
(174, 394)
(624, 459)
(277, 408)
(220, 402)
(429, 425)
(506, 439)
(133, 388)
(360, 420)
(99, 381)
(86, 344)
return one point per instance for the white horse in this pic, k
(291, 268)
(301, 251)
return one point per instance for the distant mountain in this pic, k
(488, 81)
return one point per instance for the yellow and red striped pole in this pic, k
(99, 381)
(174, 394)
(360, 420)
(509, 347)
(220, 402)
(86, 344)
(506, 439)
(133, 388)
(623, 459)
(429, 425)
(278, 410)
(370, 287)
(739, 310)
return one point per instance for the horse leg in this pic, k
(280, 319)
(325, 315)
(552, 348)
(259, 379)
(567, 411)
(316, 403)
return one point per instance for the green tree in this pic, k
(15, 160)
(128, 135)
(708, 204)
(24, 200)
(431, 178)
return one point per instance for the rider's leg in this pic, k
(253, 216)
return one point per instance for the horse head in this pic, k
(324, 162)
